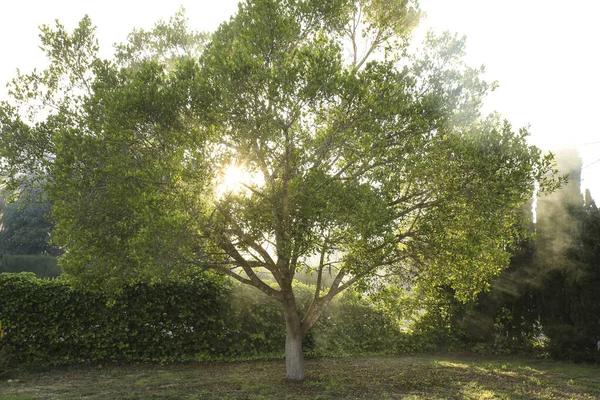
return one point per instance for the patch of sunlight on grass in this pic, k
(452, 364)
(512, 374)
(473, 391)
(535, 380)
(485, 370)
(533, 370)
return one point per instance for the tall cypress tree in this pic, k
(551, 286)
(566, 257)
(506, 316)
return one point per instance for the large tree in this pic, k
(358, 160)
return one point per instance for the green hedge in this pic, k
(49, 322)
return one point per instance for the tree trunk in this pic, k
(294, 359)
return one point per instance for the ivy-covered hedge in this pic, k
(49, 322)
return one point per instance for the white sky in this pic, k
(544, 53)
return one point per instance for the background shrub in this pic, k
(569, 342)
(354, 324)
(41, 265)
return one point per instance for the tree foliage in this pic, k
(168, 42)
(366, 162)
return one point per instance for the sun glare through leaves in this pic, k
(235, 179)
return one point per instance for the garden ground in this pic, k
(382, 377)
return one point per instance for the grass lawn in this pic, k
(404, 377)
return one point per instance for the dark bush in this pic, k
(568, 342)
(42, 266)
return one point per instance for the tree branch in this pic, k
(254, 280)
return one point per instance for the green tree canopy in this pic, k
(362, 162)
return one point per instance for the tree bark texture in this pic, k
(294, 359)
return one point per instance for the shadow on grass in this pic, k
(415, 377)
(426, 377)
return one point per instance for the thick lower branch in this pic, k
(319, 304)
(253, 279)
